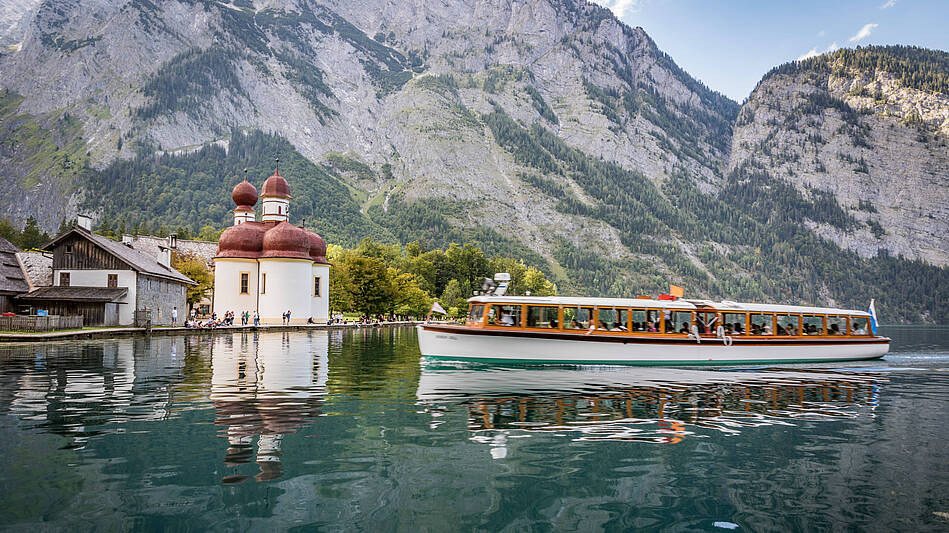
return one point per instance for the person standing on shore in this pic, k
(288, 317)
(256, 318)
(174, 316)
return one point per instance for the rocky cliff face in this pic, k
(879, 147)
(179, 74)
(542, 126)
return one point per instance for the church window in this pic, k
(263, 283)
(244, 282)
(316, 286)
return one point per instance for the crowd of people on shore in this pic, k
(247, 318)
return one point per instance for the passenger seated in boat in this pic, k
(834, 330)
(860, 330)
(781, 331)
(684, 328)
(738, 329)
(766, 330)
(553, 324)
(603, 327)
(792, 330)
(654, 327)
(728, 329)
(507, 319)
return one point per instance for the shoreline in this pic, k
(110, 333)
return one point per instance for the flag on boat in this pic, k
(873, 317)
(438, 309)
(676, 291)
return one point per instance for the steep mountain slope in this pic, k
(870, 127)
(544, 128)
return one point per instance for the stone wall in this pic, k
(160, 296)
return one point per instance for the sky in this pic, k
(730, 44)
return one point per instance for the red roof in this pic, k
(286, 240)
(276, 186)
(244, 195)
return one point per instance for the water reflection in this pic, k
(263, 388)
(655, 405)
(74, 391)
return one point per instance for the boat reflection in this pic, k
(264, 387)
(655, 405)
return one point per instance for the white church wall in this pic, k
(320, 305)
(227, 286)
(286, 290)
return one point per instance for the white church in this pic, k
(271, 266)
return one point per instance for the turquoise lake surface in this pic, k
(354, 431)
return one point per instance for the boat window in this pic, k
(812, 325)
(836, 325)
(859, 325)
(678, 321)
(639, 320)
(612, 319)
(653, 320)
(542, 317)
(505, 315)
(787, 325)
(577, 317)
(707, 321)
(761, 324)
(734, 323)
(476, 313)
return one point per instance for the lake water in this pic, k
(351, 431)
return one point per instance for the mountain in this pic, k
(545, 128)
(869, 127)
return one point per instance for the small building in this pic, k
(109, 283)
(271, 266)
(156, 247)
(12, 280)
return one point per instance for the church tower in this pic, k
(276, 199)
(245, 196)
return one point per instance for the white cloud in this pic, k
(863, 33)
(813, 51)
(809, 54)
(888, 4)
(821, 33)
(620, 7)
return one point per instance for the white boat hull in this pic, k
(456, 342)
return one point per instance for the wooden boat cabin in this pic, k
(646, 317)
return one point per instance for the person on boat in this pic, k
(553, 323)
(738, 329)
(781, 330)
(834, 329)
(684, 328)
(860, 330)
(507, 319)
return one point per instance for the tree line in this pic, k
(376, 278)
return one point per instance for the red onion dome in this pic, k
(317, 247)
(244, 195)
(276, 186)
(243, 240)
(286, 240)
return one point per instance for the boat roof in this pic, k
(725, 305)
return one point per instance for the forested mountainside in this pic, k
(869, 127)
(544, 128)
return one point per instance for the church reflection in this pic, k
(264, 387)
(656, 405)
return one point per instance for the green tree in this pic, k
(9, 232)
(371, 287)
(538, 284)
(31, 236)
(195, 268)
(208, 233)
(409, 298)
(453, 297)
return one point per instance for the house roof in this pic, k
(38, 268)
(152, 245)
(140, 262)
(76, 294)
(12, 279)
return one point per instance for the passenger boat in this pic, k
(569, 330)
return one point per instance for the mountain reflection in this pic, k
(656, 405)
(263, 388)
